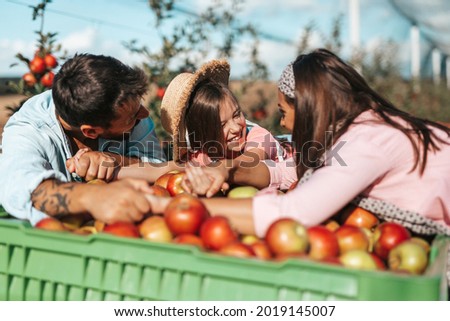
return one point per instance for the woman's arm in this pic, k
(238, 211)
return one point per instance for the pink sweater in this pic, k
(257, 137)
(378, 160)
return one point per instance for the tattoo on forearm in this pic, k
(52, 198)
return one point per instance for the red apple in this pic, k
(123, 229)
(159, 191)
(351, 238)
(185, 214)
(190, 239)
(174, 184)
(287, 236)
(408, 256)
(47, 79)
(261, 250)
(216, 232)
(50, 61)
(359, 217)
(160, 92)
(378, 261)
(358, 259)
(237, 249)
(164, 178)
(29, 79)
(37, 65)
(51, 224)
(322, 243)
(387, 236)
(154, 228)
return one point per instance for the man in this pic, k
(93, 111)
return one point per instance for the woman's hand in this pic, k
(157, 203)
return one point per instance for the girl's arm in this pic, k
(148, 171)
(247, 169)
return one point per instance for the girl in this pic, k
(351, 144)
(208, 125)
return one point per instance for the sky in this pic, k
(101, 27)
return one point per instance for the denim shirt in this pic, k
(35, 148)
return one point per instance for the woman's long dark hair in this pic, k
(330, 94)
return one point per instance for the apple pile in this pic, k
(357, 241)
(185, 221)
(355, 238)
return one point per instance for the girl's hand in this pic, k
(205, 180)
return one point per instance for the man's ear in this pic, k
(91, 132)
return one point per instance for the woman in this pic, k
(349, 142)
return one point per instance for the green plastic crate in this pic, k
(41, 265)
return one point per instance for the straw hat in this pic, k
(176, 99)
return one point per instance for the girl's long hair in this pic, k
(202, 117)
(330, 94)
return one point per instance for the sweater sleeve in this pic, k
(261, 138)
(351, 168)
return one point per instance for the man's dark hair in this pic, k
(89, 89)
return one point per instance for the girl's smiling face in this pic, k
(233, 125)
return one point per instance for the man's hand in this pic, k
(205, 180)
(90, 165)
(124, 200)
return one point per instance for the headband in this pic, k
(286, 83)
